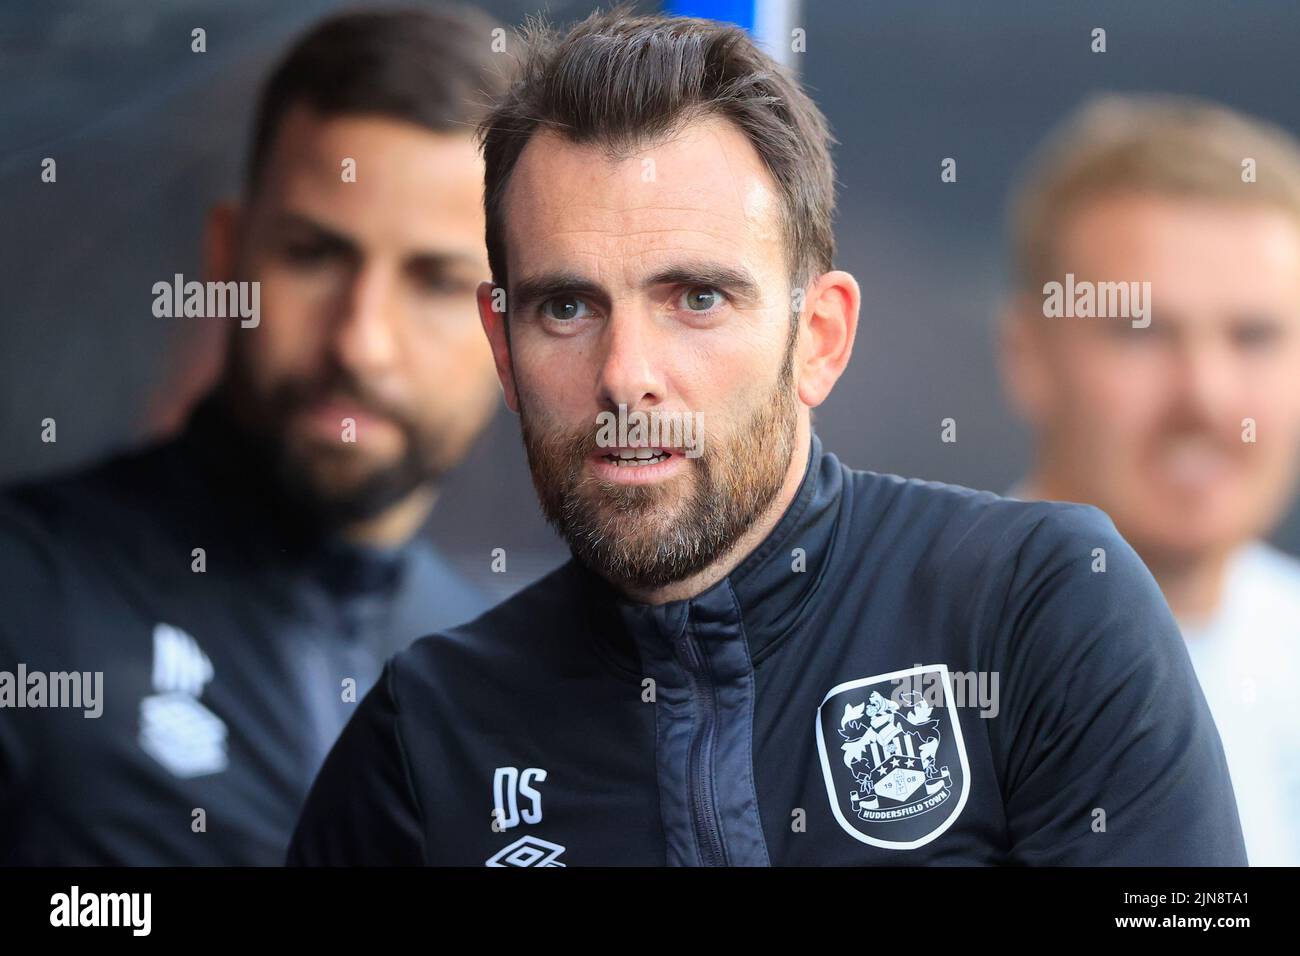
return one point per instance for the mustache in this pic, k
(297, 395)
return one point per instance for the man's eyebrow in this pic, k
(538, 288)
(438, 259)
(738, 282)
(296, 220)
(1256, 317)
(334, 239)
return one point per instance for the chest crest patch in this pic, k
(893, 757)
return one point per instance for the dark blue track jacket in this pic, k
(903, 672)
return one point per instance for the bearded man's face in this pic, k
(668, 297)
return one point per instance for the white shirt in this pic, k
(1247, 657)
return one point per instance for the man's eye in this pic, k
(442, 284)
(701, 299)
(1256, 336)
(565, 308)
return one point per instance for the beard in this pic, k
(328, 484)
(333, 500)
(643, 537)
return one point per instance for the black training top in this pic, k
(223, 669)
(903, 672)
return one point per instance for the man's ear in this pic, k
(492, 312)
(1022, 358)
(200, 354)
(829, 326)
(221, 242)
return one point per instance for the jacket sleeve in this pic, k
(362, 809)
(1108, 751)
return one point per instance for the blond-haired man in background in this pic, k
(1179, 416)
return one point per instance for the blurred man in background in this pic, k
(1179, 417)
(237, 589)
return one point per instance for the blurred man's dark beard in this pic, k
(334, 505)
(299, 470)
(631, 535)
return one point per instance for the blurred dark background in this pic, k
(147, 134)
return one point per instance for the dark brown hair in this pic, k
(619, 79)
(433, 68)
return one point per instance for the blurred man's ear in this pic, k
(492, 313)
(201, 351)
(826, 339)
(1022, 354)
(221, 238)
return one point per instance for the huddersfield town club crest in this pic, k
(893, 756)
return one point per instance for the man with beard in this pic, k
(240, 587)
(1185, 428)
(757, 656)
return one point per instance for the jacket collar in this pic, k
(767, 592)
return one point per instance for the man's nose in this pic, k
(1206, 377)
(365, 336)
(629, 372)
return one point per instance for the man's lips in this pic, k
(328, 417)
(1193, 465)
(636, 465)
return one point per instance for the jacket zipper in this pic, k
(704, 811)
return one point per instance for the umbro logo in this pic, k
(528, 851)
